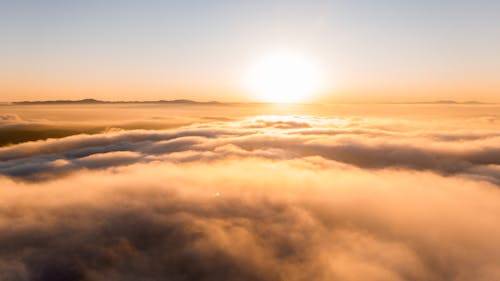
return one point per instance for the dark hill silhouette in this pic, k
(94, 101)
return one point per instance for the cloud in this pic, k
(345, 141)
(5, 118)
(291, 222)
(262, 198)
(15, 129)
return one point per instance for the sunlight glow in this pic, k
(283, 78)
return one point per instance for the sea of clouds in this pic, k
(260, 198)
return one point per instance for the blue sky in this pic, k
(200, 49)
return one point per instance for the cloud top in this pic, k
(262, 198)
(475, 153)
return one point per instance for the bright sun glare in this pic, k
(283, 78)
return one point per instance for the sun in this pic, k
(283, 78)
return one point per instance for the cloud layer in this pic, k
(264, 198)
(474, 153)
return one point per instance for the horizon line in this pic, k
(195, 102)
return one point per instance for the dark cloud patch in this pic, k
(14, 130)
(173, 240)
(82, 142)
(5, 118)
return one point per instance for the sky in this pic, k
(369, 51)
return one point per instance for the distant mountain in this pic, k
(94, 101)
(447, 102)
(183, 101)
(84, 101)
